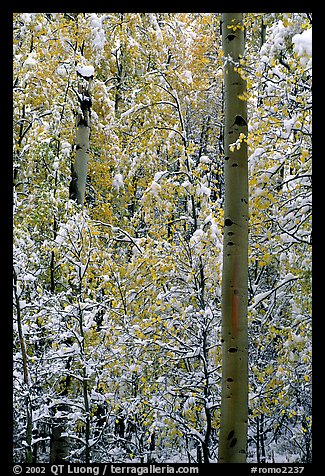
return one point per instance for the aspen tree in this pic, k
(234, 393)
(80, 167)
(117, 310)
(29, 420)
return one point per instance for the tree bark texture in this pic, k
(80, 167)
(60, 447)
(234, 394)
(24, 354)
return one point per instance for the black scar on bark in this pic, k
(73, 189)
(229, 379)
(231, 37)
(82, 122)
(228, 222)
(233, 442)
(239, 121)
(232, 349)
(231, 434)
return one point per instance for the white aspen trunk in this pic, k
(80, 167)
(234, 393)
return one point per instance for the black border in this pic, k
(6, 258)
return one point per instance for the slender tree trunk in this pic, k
(262, 439)
(234, 396)
(87, 410)
(29, 416)
(60, 442)
(84, 382)
(80, 167)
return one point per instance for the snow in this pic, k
(158, 175)
(155, 188)
(65, 148)
(129, 111)
(68, 351)
(203, 190)
(26, 17)
(187, 76)
(288, 277)
(61, 70)
(259, 297)
(303, 43)
(85, 71)
(277, 43)
(155, 25)
(289, 125)
(298, 338)
(95, 21)
(204, 159)
(185, 184)
(254, 158)
(190, 401)
(118, 182)
(99, 39)
(215, 232)
(61, 236)
(197, 434)
(196, 237)
(258, 152)
(31, 60)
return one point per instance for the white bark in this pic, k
(234, 394)
(80, 166)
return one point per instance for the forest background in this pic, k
(117, 315)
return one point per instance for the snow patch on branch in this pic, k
(303, 46)
(85, 71)
(99, 39)
(155, 25)
(118, 182)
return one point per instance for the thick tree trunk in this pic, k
(234, 397)
(59, 448)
